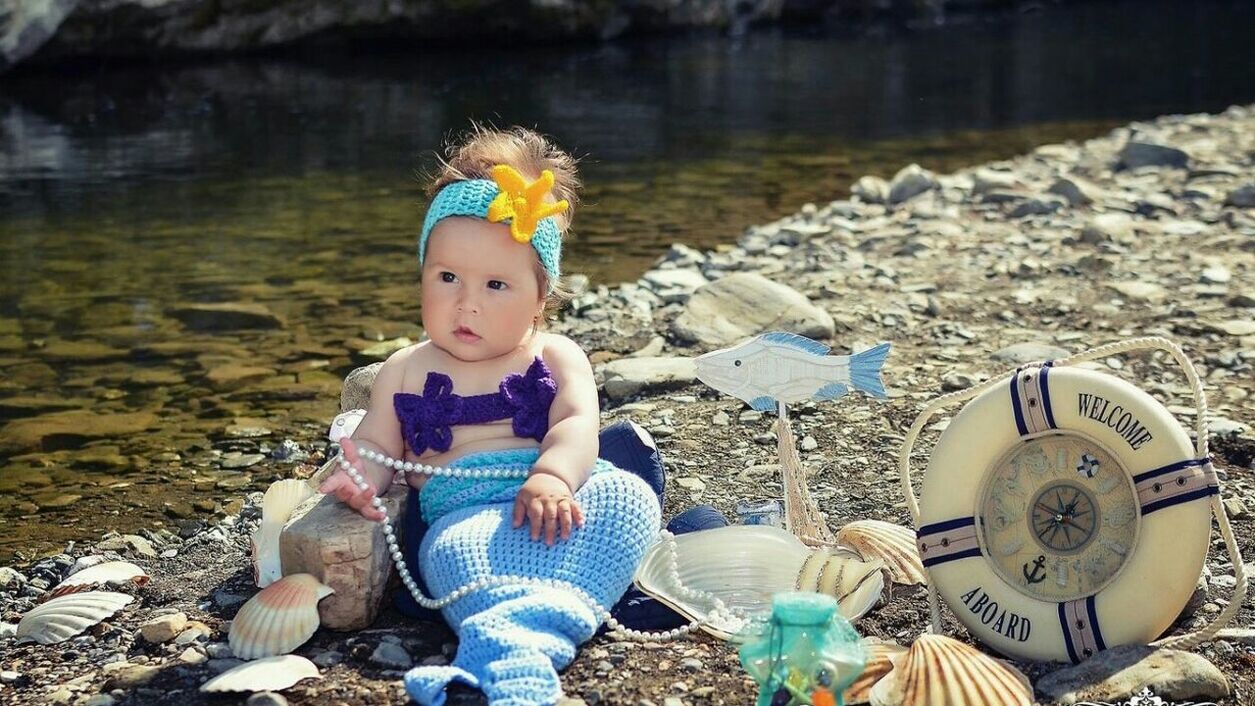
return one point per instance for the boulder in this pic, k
(71, 428)
(1116, 674)
(627, 376)
(745, 304)
(871, 189)
(346, 552)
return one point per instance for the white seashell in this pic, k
(345, 424)
(893, 544)
(880, 658)
(93, 577)
(270, 674)
(941, 671)
(62, 618)
(744, 566)
(280, 618)
(277, 505)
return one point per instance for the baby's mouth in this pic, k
(466, 335)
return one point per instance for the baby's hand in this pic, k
(546, 502)
(342, 485)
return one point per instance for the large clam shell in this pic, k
(744, 566)
(93, 577)
(892, 544)
(277, 505)
(842, 574)
(880, 659)
(941, 671)
(280, 618)
(270, 674)
(62, 618)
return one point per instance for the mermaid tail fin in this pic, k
(516, 646)
(426, 685)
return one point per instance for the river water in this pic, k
(129, 194)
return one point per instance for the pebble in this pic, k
(694, 485)
(99, 700)
(692, 664)
(1216, 274)
(9, 676)
(721, 419)
(391, 655)
(266, 698)
(808, 443)
(163, 628)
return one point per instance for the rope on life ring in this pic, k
(1176, 483)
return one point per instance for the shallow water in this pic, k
(129, 192)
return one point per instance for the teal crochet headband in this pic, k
(507, 197)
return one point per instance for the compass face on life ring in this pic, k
(1058, 517)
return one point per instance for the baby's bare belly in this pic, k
(469, 440)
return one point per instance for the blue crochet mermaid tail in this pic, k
(513, 639)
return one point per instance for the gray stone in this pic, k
(1036, 207)
(1140, 291)
(909, 182)
(99, 700)
(1223, 426)
(1242, 636)
(1235, 508)
(1076, 190)
(1216, 274)
(128, 543)
(10, 578)
(1242, 197)
(391, 655)
(670, 280)
(746, 304)
(127, 675)
(25, 26)
(266, 698)
(1020, 353)
(1137, 153)
(1106, 228)
(626, 377)
(1118, 673)
(871, 189)
(986, 180)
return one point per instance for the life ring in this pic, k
(1063, 512)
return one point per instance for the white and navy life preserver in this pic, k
(1167, 490)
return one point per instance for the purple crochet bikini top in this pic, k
(524, 398)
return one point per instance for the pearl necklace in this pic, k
(717, 608)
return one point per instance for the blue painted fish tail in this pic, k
(865, 370)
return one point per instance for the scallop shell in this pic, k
(893, 544)
(62, 618)
(281, 498)
(280, 618)
(941, 671)
(744, 565)
(93, 577)
(880, 658)
(270, 674)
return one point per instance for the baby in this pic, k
(512, 411)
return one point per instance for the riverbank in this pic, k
(1147, 230)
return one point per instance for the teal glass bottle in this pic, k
(804, 654)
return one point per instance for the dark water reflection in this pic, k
(127, 191)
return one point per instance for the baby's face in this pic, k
(480, 292)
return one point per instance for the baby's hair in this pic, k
(473, 154)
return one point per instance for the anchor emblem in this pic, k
(1038, 574)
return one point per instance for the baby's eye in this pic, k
(448, 277)
(497, 284)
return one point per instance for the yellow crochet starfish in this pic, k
(521, 202)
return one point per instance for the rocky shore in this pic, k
(1148, 230)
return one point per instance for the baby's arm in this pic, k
(569, 449)
(379, 430)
